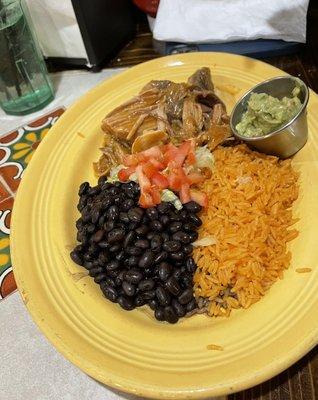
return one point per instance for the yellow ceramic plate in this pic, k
(130, 351)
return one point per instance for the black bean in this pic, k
(153, 304)
(86, 214)
(149, 295)
(182, 237)
(76, 257)
(177, 255)
(93, 190)
(101, 220)
(193, 207)
(159, 314)
(102, 179)
(133, 276)
(146, 260)
(133, 261)
(142, 230)
(175, 226)
(127, 204)
(165, 236)
(160, 257)
(163, 296)
(164, 207)
(171, 246)
(120, 277)
(191, 305)
(174, 216)
(112, 265)
(95, 271)
(120, 256)
(189, 227)
(177, 273)
(131, 189)
(187, 249)
(140, 300)
(109, 225)
(173, 286)
(121, 225)
(93, 249)
(145, 219)
(88, 265)
(90, 228)
(164, 219)
(83, 188)
(146, 284)
(116, 235)
(150, 235)
(106, 203)
(150, 271)
(129, 238)
(82, 236)
(156, 225)
(100, 278)
(79, 223)
(178, 308)
(109, 292)
(133, 251)
(164, 271)
(113, 213)
(184, 215)
(196, 221)
(152, 213)
(128, 288)
(95, 216)
(186, 281)
(82, 203)
(98, 236)
(135, 214)
(87, 257)
(126, 303)
(142, 243)
(103, 244)
(186, 296)
(193, 236)
(156, 242)
(123, 217)
(190, 265)
(113, 190)
(170, 315)
(114, 248)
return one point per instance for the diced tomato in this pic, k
(157, 164)
(191, 159)
(195, 178)
(143, 180)
(153, 152)
(149, 169)
(155, 194)
(159, 180)
(176, 178)
(125, 173)
(185, 193)
(145, 200)
(199, 197)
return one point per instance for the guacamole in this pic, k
(266, 113)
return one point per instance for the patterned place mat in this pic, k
(16, 151)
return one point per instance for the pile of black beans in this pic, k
(137, 256)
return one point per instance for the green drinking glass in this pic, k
(25, 86)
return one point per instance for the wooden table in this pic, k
(299, 382)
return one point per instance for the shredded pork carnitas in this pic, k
(164, 111)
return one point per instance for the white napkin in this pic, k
(215, 21)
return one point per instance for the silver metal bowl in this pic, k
(291, 137)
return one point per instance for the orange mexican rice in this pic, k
(250, 217)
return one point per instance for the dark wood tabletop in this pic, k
(299, 382)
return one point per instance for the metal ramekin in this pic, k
(291, 137)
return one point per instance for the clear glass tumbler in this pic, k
(25, 86)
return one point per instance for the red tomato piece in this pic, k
(145, 200)
(199, 197)
(125, 173)
(155, 194)
(149, 169)
(160, 180)
(185, 193)
(153, 152)
(143, 180)
(177, 178)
